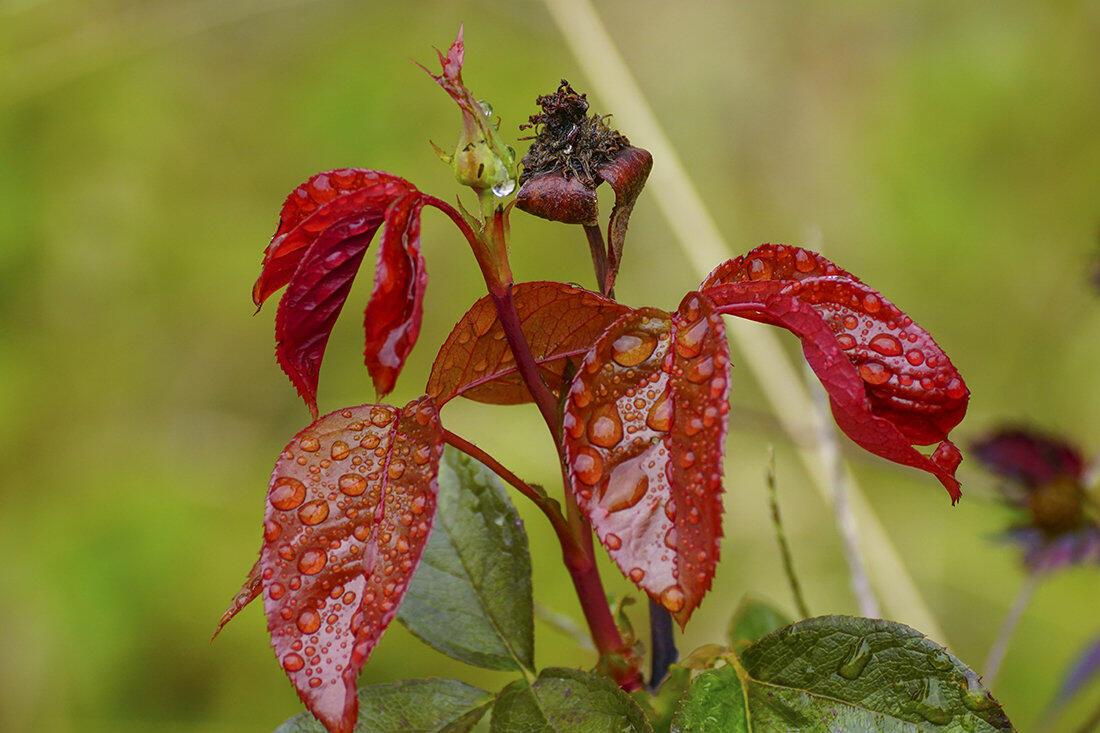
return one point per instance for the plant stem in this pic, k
(599, 257)
(1008, 627)
(703, 245)
(577, 552)
(781, 537)
(1091, 723)
(846, 525)
(548, 506)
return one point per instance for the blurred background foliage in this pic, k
(946, 152)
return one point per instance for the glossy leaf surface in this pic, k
(645, 422)
(436, 705)
(311, 209)
(841, 673)
(566, 701)
(560, 322)
(890, 386)
(396, 307)
(349, 511)
(471, 598)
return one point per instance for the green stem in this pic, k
(781, 538)
(999, 648)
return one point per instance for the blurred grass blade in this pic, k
(704, 247)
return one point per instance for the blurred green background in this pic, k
(948, 153)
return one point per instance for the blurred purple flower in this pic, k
(1046, 478)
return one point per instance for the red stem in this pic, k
(578, 553)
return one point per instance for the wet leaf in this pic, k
(890, 385)
(627, 174)
(566, 701)
(841, 673)
(409, 706)
(349, 510)
(471, 597)
(644, 428)
(311, 209)
(250, 591)
(560, 322)
(396, 306)
(753, 619)
(328, 224)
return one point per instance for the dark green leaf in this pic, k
(842, 673)
(410, 706)
(471, 596)
(567, 701)
(753, 619)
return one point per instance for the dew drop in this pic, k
(309, 621)
(605, 427)
(287, 493)
(272, 530)
(352, 484)
(340, 450)
(613, 541)
(637, 575)
(293, 662)
(626, 486)
(672, 598)
(313, 512)
(856, 662)
(276, 591)
(588, 466)
(915, 357)
(689, 339)
(803, 262)
(631, 349)
(759, 269)
(886, 345)
(381, 417)
(312, 562)
(309, 444)
(504, 188)
(370, 441)
(396, 469)
(874, 373)
(660, 415)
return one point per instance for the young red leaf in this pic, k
(349, 510)
(870, 411)
(311, 304)
(645, 422)
(396, 307)
(312, 208)
(560, 322)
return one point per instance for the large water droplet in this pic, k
(631, 349)
(287, 493)
(504, 188)
(660, 415)
(312, 562)
(874, 373)
(626, 486)
(340, 450)
(689, 339)
(886, 345)
(588, 466)
(856, 662)
(309, 621)
(313, 512)
(612, 541)
(352, 484)
(309, 444)
(293, 662)
(605, 428)
(672, 598)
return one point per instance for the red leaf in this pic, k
(1030, 457)
(350, 507)
(451, 76)
(249, 592)
(311, 304)
(312, 208)
(645, 422)
(867, 404)
(396, 307)
(560, 322)
(908, 378)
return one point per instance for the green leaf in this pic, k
(471, 595)
(409, 706)
(753, 619)
(841, 673)
(660, 706)
(715, 702)
(566, 701)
